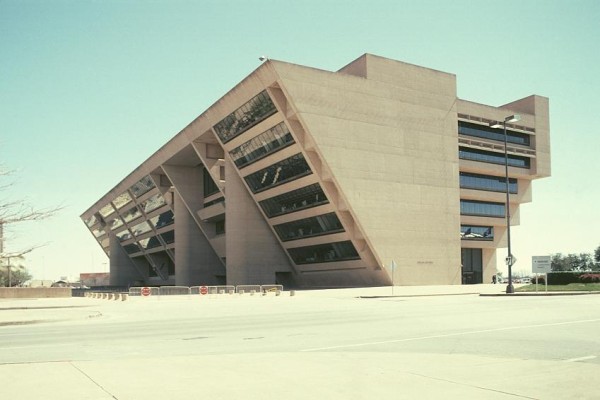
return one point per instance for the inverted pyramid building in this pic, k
(373, 175)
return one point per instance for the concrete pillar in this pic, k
(253, 253)
(122, 270)
(196, 263)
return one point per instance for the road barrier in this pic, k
(173, 290)
(252, 289)
(222, 289)
(137, 291)
(144, 291)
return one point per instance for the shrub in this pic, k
(564, 278)
(590, 278)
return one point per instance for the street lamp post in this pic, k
(509, 259)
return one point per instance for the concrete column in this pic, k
(195, 260)
(253, 253)
(122, 270)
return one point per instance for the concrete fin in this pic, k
(254, 255)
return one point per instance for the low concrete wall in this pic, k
(33, 293)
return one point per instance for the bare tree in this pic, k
(14, 212)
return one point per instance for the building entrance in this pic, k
(472, 266)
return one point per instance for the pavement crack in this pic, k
(473, 386)
(197, 338)
(92, 379)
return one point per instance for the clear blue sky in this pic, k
(90, 89)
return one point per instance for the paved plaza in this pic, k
(428, 342)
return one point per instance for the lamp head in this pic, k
(512, 118)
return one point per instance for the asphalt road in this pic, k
(337, 346)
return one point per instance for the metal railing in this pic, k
(210, 290)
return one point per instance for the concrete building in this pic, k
(312, 178)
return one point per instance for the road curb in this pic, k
(523, 294)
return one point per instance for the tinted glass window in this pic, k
(153, 203)
(482, 208)
(123, 235)
(150, 243)
(264, 144)
(131, 214)
(330, 252)
(482, 131)
(210, 187)
(91, 221)
(278, 173)
(141, 228)
(142, 186)
(220, 227)
(132, 248)
(494, 158)
(307, 227)
(115, 223)
(168, 237)
(122, 200)
(472, 232)
(107, 210)
(245, 117)
(299, 199)
(98, 232)
(486, 182)
(162, 220)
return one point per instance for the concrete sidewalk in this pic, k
(264, 358)
(327, 375)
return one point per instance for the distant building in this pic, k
(311, 178)
(34, 283)
(95, 279)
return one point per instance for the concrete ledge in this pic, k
(34, 293)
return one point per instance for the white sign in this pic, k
(541, 264)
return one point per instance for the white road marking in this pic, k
(580, 359)
(583, 321)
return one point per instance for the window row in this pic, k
(307, 227)
(486, 132)
(142, 186)
(262, 145)
(248, 115)
(150, 243)
(321, 253)
(158, 221)
(283, 171)
(473, 232)
(482, 208)
(487, 182)
(299, 199)
(134, 212)
(466, 153)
